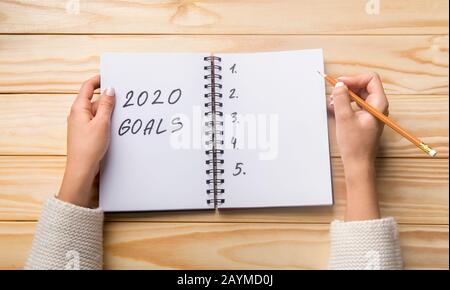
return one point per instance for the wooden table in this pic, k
(47, 48)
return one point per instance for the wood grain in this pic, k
(35, 124)
(412, 190)
(60, 63)
(225, 17)
(48, 48)
(225, 246)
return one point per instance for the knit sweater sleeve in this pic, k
(67, 237)
(365, 245)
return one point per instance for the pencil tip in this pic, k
(321, 74)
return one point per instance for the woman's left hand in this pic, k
(88, 133)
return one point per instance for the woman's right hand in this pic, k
(358, 135)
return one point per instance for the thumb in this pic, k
(106, 104)
(342, 103)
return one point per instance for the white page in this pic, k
(146, 172)
(283, 85)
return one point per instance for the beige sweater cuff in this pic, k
(67, 237)
(369, 245)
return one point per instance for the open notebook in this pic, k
(201, 131)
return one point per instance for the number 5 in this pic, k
(238, 169)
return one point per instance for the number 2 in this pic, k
(232, 94)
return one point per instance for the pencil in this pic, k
(385, 119)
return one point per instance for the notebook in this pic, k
(204, 131)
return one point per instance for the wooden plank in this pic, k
(36, 124)
(425, 116)
(60, 63)
(226, 246)
(225, 17)
(25, 182)
(412, 190)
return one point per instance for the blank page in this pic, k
(144, 169)
(287, 163)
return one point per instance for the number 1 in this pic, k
(233, 69)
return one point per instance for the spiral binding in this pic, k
(214, 131)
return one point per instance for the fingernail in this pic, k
(339, 84)
(331, 102)
(341, 78)
(109, 91)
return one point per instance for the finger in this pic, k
(342, 103)
(330, 103)
(370, 82)
(81, 107)
(106, 104)
(379, 102)
(370, 89)
(87, 92)
(94, 107)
